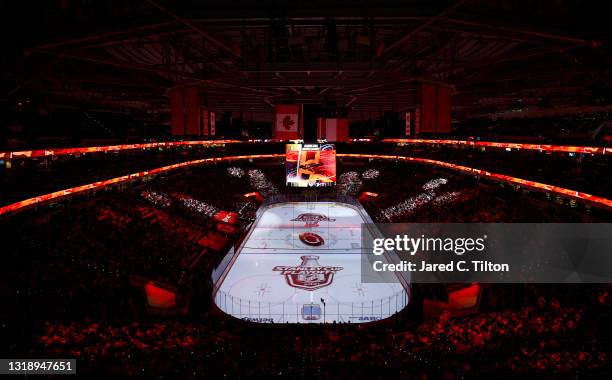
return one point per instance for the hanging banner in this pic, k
(177, 112)
(336, 130)
(287, 122)
(408, 123)
(192, 111)
(205, 125)
(444, 110)
(321, 133)
(213, 129)
(331, 129)
(429, 110)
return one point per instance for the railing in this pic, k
(27, 154)
(289, 312)
(41, 199)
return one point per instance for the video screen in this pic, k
(311, 165)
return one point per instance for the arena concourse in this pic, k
(184, 186)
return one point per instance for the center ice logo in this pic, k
(309, 275)
(312, 219)
(312, 239)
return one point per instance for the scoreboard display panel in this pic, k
(310, 165)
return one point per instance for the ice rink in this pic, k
(295, 256)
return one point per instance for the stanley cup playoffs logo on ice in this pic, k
(310, 275)
(312, 219)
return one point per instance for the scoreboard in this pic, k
(310, 165)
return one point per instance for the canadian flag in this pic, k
(334, 130)
(287, 122)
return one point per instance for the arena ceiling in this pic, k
(246, 56)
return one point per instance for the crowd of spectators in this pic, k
(70, 292)
(560, 129)
(415, 193)
(556, 336)
(31, 177)
(349, 183)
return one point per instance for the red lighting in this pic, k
(108, 148)
(466, 297)
(113, 148)
(255, 195)
(501, 177)
(61, 193)
(518, 146)
(496, 176)
(159, 297)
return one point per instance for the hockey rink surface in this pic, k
(298, 254)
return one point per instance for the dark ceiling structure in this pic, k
(369, 56)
